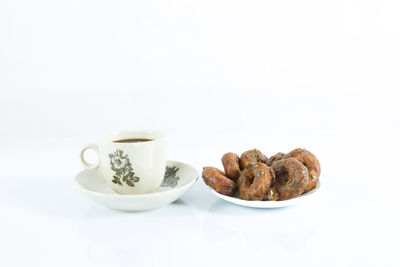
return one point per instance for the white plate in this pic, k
(179, 177)
(269, 204)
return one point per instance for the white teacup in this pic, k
(130, 162)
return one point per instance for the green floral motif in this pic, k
(170, 178)
(122, 167)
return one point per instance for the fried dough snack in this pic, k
(291, 179)
(255, 177)
(310, 161)
(254, 181)
(218, 181)
(276, 157)
(251, 157)
(231, 165)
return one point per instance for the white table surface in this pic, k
(354, 221)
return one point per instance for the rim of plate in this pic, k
(188, 184)
(268, 203)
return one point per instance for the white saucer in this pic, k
(269, 204)
(179, 177)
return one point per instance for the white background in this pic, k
(215, 76)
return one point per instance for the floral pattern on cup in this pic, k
(170, 178)
(122, 167)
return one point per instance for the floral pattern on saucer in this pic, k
(170, 178)
(122, 167)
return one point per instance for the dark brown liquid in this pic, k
(133, 140)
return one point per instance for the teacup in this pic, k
(130, 162)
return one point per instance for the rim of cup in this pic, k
(132, 134)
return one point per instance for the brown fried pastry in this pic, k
(218, 181)
(251, 157)
(230, 161)
(254, 181)
(291, 179)
(276, 157)
(310, 161)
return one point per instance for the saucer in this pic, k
(268, 204)
(179, 177)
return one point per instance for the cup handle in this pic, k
(82, 156)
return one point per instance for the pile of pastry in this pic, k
(254, 176)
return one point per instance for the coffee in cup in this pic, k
(130, 162)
